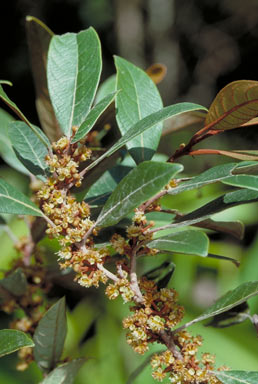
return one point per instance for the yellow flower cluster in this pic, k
(70, 220)
(156, 311)
(187, 370)
(120, 287)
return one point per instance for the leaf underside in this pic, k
(138, 97)
(234, 105)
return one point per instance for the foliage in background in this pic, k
(125, 225)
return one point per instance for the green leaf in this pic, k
(74, 67)
(108, 86)
(230, 300)
(146, 123)
(138, 98)
(212, 175)
(100, 191)
(243, 181)
(12, 340)
(39, 37)
(190, 242)
(229, 200)
(15, 283)
(234, 105)
(93, 116)
(28, 148)
(49, 336)
(139, 185)
(13, 201)
(237, 377)
(65, 373)
(6, 149)
(18, 112)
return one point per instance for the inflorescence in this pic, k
(154, 311)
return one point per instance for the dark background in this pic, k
(204, 44)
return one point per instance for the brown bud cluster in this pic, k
(158, 312)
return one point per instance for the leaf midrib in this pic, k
(32, 149)
(128, 197)
(20, 202)
(75, 90)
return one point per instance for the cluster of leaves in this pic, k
(68, 104)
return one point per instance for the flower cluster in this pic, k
(158, 312)
(155, 311)
(120, 287)
(188, 369)
(69, 219)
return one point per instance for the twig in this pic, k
(10, 233)
(168, 340)
(109, 274)
(144, 206)
(197, 138)
(50, 222)
(85, 237)
(133, 277)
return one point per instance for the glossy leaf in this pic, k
(237, 377)
(65, 373)
(18, 112)
(157, 72)
(6, 149)
(93, 116)
(50, 335)
(138, 186)
(230, 300)
(234, 105)
(74, 67)
(212, 175)
(100, 191)
(15, 283)
(39, 37)
(13, 201)
(243, 181)
(28, 148)
(146, 123)
(138, 98)
(190, 242)
(12, 340)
